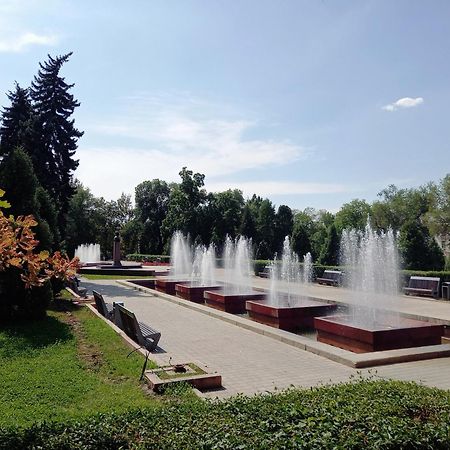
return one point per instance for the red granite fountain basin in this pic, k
(231, 303)
(290, 315)
(167, 285)
(387, 334)
(194, 293)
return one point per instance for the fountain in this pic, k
(88, 254)
(372, 268)
(203, 276)
(307, 268)
(286, 309)
(238, 278)
(181, 264)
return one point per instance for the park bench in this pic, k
(138, 331)
(331, 278)
(73, 283)
(265, 273)
(428, 286)
(104, 308)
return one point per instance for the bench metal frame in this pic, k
(138, 331)
(104, 308)
(334, 278)
(428, 286)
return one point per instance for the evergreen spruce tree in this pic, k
(330, 252)
(53, 154)
(15, 121)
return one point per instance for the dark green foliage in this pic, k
(283, 224)
(152, 198)
(224, 214)
(419, 250)
(247, 226)
(148, 258)
(53, 152)
(15, 121)
(131, 236)
(18, 180)
(18, 303)
(300, 239)
(330, 253)
(185, 205)
(365, 414)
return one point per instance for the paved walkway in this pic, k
(250, 362)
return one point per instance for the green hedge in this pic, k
(148, 258)
(364, 414)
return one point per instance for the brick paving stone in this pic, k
(248, 361)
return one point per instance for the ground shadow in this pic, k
(34, 334)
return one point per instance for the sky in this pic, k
(311, 103)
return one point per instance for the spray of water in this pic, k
(180, 256)
(371, 270)
(284, 274)
(88, 253)
(238, 266)
(204, 266)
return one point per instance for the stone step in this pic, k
(445, 340)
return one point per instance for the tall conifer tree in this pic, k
(15, 120)
(53, 153)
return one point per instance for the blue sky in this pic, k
(310, 103)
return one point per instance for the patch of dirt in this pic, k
(88, 353)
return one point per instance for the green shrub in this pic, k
(364, 414)
(19, 303)
(148, 258)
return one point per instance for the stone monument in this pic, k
(116, 250)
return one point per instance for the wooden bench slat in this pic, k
(138, 331)
(423, 286)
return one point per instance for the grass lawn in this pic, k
(67, 366)
(91, 276)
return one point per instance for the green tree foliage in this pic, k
(225, 213)
(247, 226)
(151, 198)
(352, 215)
(265, 229)
(54, 150)
(284, 222)
(185, 205)
(28, 197)
(15, 121)
(83, 219)
(398, 206)
(419, 250)
(330, 251)
(131, 236)
(300, 241)
(438, 216)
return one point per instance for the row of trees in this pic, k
(421, 217)
(38, 140)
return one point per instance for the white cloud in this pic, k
(405, 102)
(25, 40)
(110, 171)
(153, 139)
(270, 188)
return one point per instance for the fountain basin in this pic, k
(386, 334)
(193, 293)
(168, 285)
(298, 312)
(231, 303)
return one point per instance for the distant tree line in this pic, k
(38, 141)
(420, 216)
